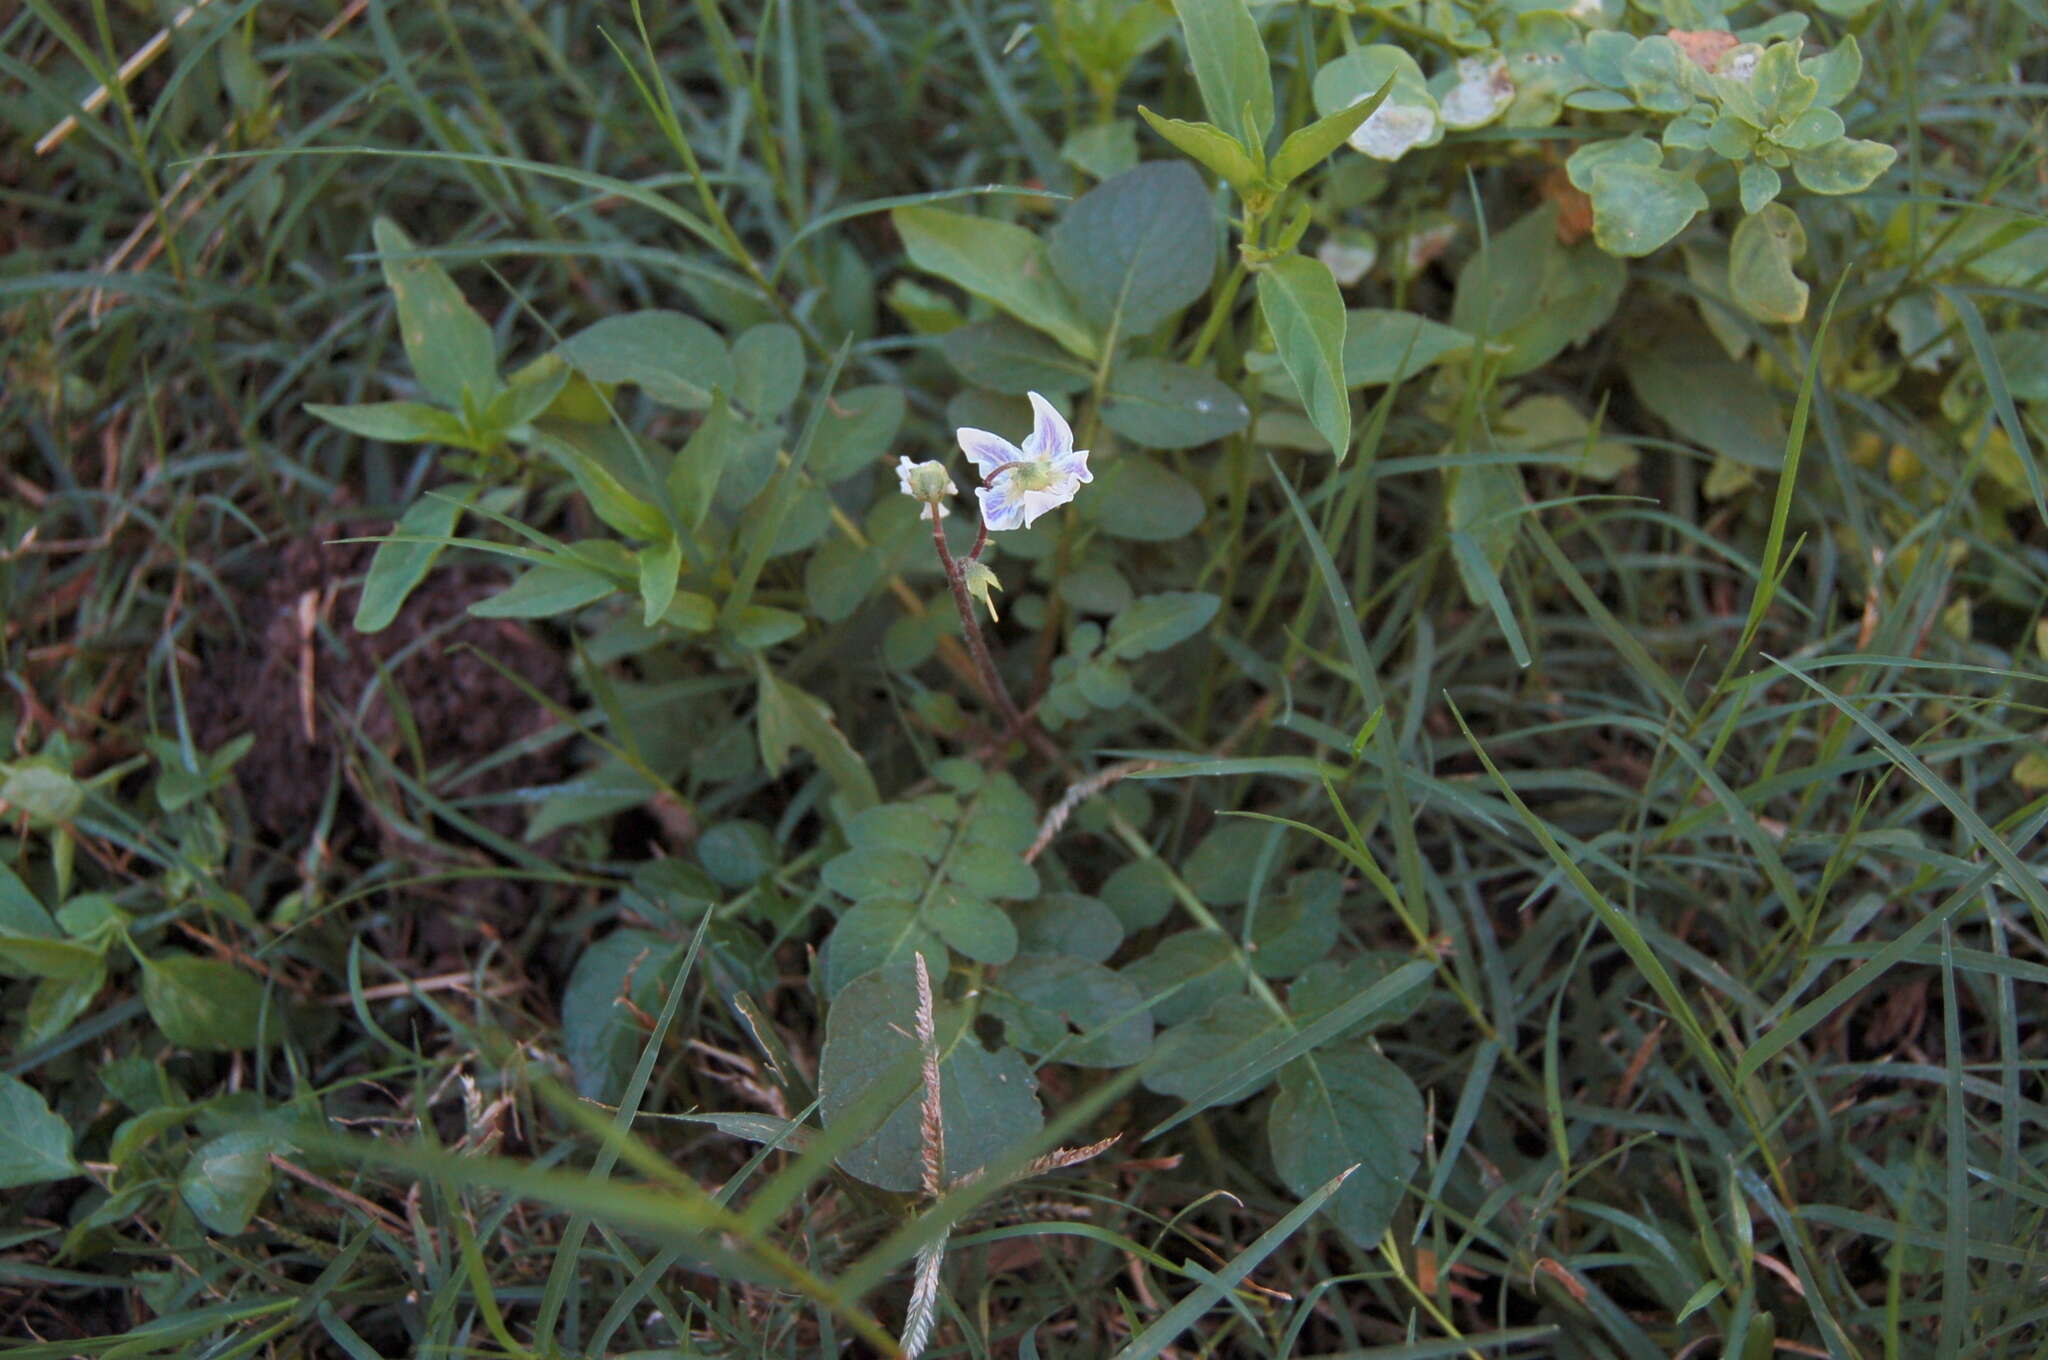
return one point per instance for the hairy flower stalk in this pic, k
(977, 646)
(1017, 485)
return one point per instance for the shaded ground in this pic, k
(322, 699)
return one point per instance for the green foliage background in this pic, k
(1527, 829)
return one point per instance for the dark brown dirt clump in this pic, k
(293, 670)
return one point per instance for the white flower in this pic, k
(1029, 481)
(927, 482)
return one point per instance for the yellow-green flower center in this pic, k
(1032, 475)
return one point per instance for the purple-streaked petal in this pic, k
(1049, 437)
(1074, 464)
(1037, 503)
(987, 451)
(998, 510)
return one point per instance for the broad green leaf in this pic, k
(1305, 311)
(447, 343)
(1782, 91)
(532, 391)
(761, 625)
(1483, 501)
(1158, 404)
(1406, 115)
(1231, 67)
(1139, 893)
(973, 925)
(1592, 157)
(92, 918)
(1096, 588)
(1197, 1058)
(1809, 130)
(993, 871)
(1327, 985)
(1156, 622)
(1660, 76)
(395, 422)
(998, 261)
(1835, 71)
(1103, 683)
(856, 428)
(1847, 166)
(988, 1100)
(601, 1037)
(1306, 147)
(787, 716)
(1350, 1107)
(806, 520)
(1637, 208)
(581, 449)
(44, 791)
(1048, 1001)
(55, 1003)
(226, 1179)
(207, 1004)
(1136, 249)
(1135, 497)
(1760, 258)
(768, 369)
(398, 568)
(61, 960)
(544, 591)
(839, 577)
(1005, 356)
(874, 934)
(661, 568)
(20, 912)
(1231, 861)
(2000, 246)
(920, 828)
(1382, 346)
(1185, 974)
(1104, 150)
(2023, 356)
(1068, 923)
(1297, 928)
(1529, 292)
(1210, 146)
(675, 359)
(1002, 818)
(1547, 422)
(1758, 184)
(1691, 384)
(694, 472)
(35, 1142)
(737, 854)
(875, 871)
(691, 612)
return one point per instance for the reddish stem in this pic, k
(977, 646)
